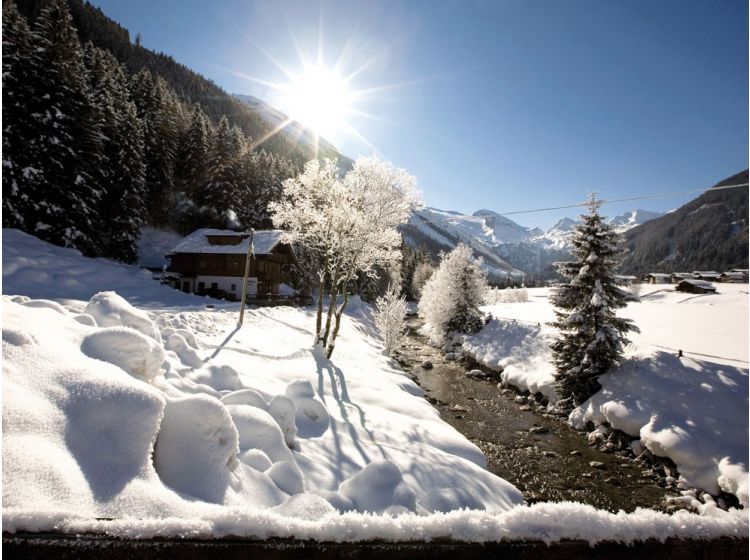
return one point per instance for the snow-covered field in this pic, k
(161, 414)
(692, 409)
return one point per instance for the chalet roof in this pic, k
(686, 275)
(625, 277)
(733, 274)
(705, 273)
(659, 275)
(264, 241)
(699, 283)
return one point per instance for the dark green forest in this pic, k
(708, 233)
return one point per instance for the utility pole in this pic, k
(250, 251)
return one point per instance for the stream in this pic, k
(541, 455)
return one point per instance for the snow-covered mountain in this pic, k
(509, 249)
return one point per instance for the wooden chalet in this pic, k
(212, 262)
(657, 278)
(707, 275)
(696, 287)
(734, 277)
(624, 280)
(679, 276)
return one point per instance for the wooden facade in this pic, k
(220, 274)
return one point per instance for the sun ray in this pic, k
(281, 126)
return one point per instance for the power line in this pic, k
(659, 195)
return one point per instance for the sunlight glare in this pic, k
(319, 99)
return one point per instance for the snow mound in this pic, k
(519, 350)
(46, 304)
(85, 319)
(188, 335)
(282, 410)
(126, 348)
(378, 487)
(287, 477)
(257, 429)
(185, 352)
(196, 449)
(306, 506)
(311, 417)
(220, 378)
(249, 397)
(692, 411)
(17, 337)
(449, 499)
(111, 310)
(256, 459)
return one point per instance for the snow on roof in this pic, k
(699, 283)
(705, 273)
(264, 242)
(658, 274)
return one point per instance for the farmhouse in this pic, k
(734, 277)
(695, 287)
(212, 262)
(625, 280)
(708, 275)
(677, 276)
(657, 278)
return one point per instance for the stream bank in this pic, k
(541, 455)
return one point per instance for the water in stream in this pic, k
(542, 456)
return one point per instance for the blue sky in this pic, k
(500, 104)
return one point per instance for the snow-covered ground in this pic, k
(692, 409)
(160, 413)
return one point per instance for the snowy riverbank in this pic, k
(167, 419)
(692, 409)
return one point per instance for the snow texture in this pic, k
(161, 455)
(197, 242)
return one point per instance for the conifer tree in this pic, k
(20, 181)
(592, 337)
(193, 160)
(66, 143)
(122, 168)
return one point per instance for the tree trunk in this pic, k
(332, 305)
(337, 325)
(319, 317)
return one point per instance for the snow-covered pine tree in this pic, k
(66, 144)
(20, 181)
(452, 296)
(122, 170)
(193, 159)
(591, 336)
(159, 111)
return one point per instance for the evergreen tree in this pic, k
(122, 168)
(66, 143)
(591, 337)
(193, 159)
(160, 113)
(20, 175)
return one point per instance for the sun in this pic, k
(319, 99)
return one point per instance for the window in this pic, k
(202, 264)
(234, 287)
(201, 286)
(214, 285)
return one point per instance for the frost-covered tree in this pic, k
(451, 297)
(350, 224)
(390, 319)
(423, 271)
(591, 336)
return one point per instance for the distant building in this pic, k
(734, 277)
(696, 287)
(212, 262)
(677, 276)
(658, 278)
(625, 280)
(708, 275)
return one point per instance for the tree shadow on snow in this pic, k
(340, 393)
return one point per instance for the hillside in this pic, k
(192, 88)
(708, 233)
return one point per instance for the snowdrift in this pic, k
(692, 409)
(177, 422)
